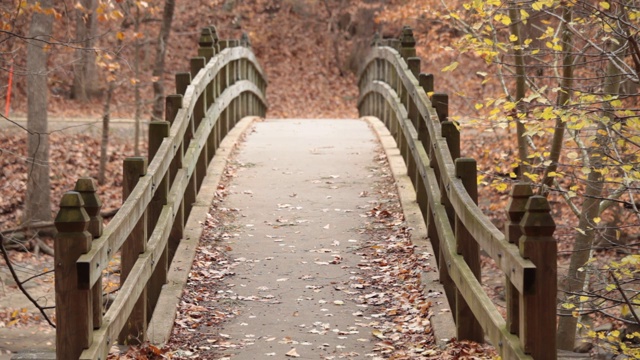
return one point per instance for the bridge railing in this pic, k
(225, 83)
(393, 89)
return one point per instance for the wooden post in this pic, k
(467, 325)
(407, 43)
(183, 80)
(136, 243)
(452, 134)
(207, 51)
(158, 131)
(199, 111)
(74, 321)
(440, 102)
(426, 82)
(520, 194)
(173, 105)
(87, 188)
(538, 302)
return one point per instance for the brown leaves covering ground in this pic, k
(71, 157)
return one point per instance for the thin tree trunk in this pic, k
(84, 69)
(38, 198)
(514, 15)
(566, 84)
(161, 52)
(104, 143)
(136, 86)
(582, 248)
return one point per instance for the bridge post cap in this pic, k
(87, 188)
(206, 37)
(244, 40)
(406, 39)
(537, 220)
(137, 164)
(214, 33)
(376, 39)
(518, 197)
(72, 216)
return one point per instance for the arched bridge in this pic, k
(219, 97)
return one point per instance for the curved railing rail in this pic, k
(225, 84)
(393, 90)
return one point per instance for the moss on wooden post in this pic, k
(135, 328)
(468, 327)
(520, 194)
(74, 318)
(88, 188)
(538, 302)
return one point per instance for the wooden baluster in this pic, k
(74, 324)
(173, 105)
(520, 194)
(199, 111)
(136, 243)
(158, 131)
(452, 136)
(538, 302)
(440, 102)
(467, 325)
(207, 51)
(182, 82)
(421, 192)
(87, 188)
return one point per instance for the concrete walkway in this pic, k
(301, 193)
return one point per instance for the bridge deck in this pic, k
(301, 190)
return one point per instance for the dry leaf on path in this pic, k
(292, 353)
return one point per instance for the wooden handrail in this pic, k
(230, 85)
(393, 89)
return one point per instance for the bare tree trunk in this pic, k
(104, 143)
(514, 15)
(158, 69)
(136, 86)
(84, 69)
(564, 96)
(38, 198)
(583, 246)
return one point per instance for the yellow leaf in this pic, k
(501, 187)
(597, 220)
(605, 5)
(568, 305)
(120, 35)
(513, 38)
(450, 67)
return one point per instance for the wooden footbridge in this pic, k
(226, 84)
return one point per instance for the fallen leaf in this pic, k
(292, 353)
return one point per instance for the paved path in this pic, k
(301, 196)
